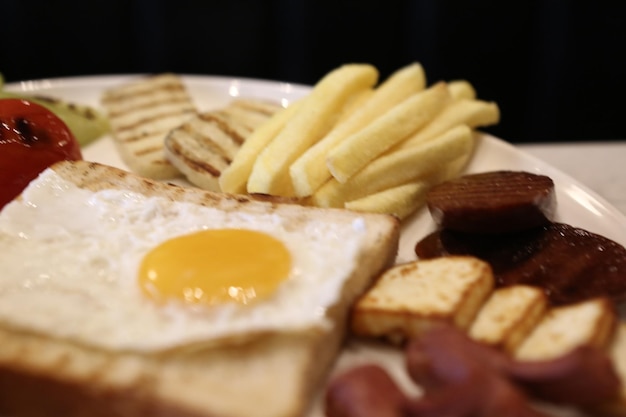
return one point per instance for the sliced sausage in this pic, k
(493, 202)
(570, 263)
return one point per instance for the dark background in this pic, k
(556, 68)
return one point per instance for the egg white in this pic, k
(70, 259)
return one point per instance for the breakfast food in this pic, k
(508, 316)
(570, 263)
(85, 122)
(364, 391)
(505, 219)
(399, 138)
(141, 113)
(98, 335)
(204, 146)
(617, 406)
(420, 164)
(510, 349)
(474, 113)
(445, 357)
(309, 171)
(554, 335)
(393, 126)
(460, 377)
(31, 139)
(400, 201)
(315, 117)
(410, 297)
(321, 149)
(234, 179)
(493, 202)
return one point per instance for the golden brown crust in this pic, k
(409, 298)
(273, 376)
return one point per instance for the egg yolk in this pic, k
(215, 266)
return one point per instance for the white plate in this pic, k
(577, 205)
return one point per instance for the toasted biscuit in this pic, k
(408, 298)
(507, 317)
(563, 328)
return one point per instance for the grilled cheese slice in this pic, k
(410, 297)
(252, 112)
(205, 145)
(141, 113)
(508, 316)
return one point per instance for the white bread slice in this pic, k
(508, 316)
(562, 329)
(277, 375)
(205, 145)
(141, 113)
(408, 298)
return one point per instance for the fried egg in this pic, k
(116, 269)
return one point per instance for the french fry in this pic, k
(461, 89)
(309, 171)
(398, 168)
(360, 148)
(401, 201)
(353, 105)
(234, 178)
(316, 116)
(452, 169)
(351, 144)
(473, 113)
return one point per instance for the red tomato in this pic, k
(31, 139)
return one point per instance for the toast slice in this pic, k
(141, 113)
(408, 298)
(277, 374)
(204, 146)
(508, 316)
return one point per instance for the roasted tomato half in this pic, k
(31, 139)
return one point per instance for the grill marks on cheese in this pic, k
(141, 114)
(205, 145)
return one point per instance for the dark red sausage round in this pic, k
(570, 263)
(493, 202)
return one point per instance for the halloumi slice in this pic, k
(205, 145)
(141, 113)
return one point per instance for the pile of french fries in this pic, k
(361, 145)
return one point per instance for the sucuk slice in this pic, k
(569, 263)
(493, 202)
